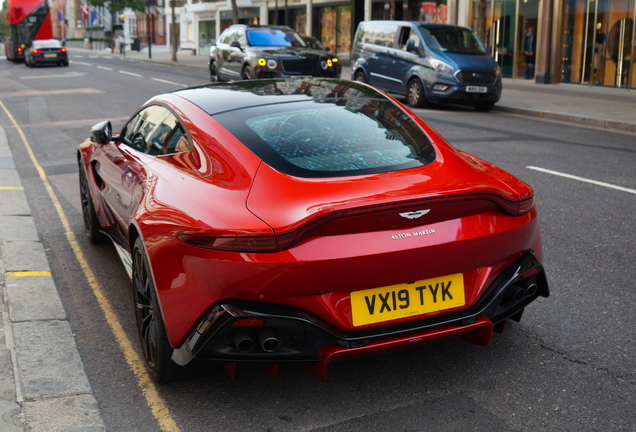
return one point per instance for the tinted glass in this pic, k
(155, 131)
(331, 137)
(48, 43)
(452, 39)
(365, 33)
(274, 37)
(384, 34)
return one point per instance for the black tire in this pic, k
(66, 63)
(415, 94)
(155, 346)
(91, 223)
(360, 77)
(213, 73)
(484, 107)
(248, 73)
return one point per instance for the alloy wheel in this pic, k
(144, 309)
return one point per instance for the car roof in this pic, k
(252, 26)
(222, 97)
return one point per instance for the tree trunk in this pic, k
(481, 21)
(173, 34)
(234, 12)
(392, 11)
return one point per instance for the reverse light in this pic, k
(440, 66)
(231, 244)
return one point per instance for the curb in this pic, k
(568, 118)
(42, 378)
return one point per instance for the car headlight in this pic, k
(440, 66)
(323, 64)
(498, 71)
(272, 64)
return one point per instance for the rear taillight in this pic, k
(232, 244)
(63, 50)
(19, 49)
(514, 208)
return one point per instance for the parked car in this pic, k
(46, 51)
(304, 221)
(426, 62)
(249, 52)
(314, 43)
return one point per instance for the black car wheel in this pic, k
(213, 74)
(415, 94)
(91, 223)
(360, 77)
(484, 107)
(248, 73)
(152, 333)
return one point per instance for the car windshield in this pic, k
(48, 43)
(452, 39)
(329, 138)
(274, 37)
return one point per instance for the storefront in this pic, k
(511, 34)
(598, 42)
(332, 26)
(207, 35)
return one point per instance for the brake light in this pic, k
(63, 50)
(231, 244)
(19, 49)
(35, 51)
(514, 208)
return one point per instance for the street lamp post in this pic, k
(148, 29)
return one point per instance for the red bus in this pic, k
(28, 20)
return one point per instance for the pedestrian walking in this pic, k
(530, 49)
(122, 45)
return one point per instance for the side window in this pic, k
(152, 131)
(366, 33)
(406, 34)
(225, 37)
(240, 36)
(385, 34)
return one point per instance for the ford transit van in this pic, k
(426, 62)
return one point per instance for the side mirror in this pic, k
(101, 133)
(410, 46)
(236, 44)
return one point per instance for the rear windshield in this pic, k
(457, 40)
(274, 37)
(329, 138)
(47, 43)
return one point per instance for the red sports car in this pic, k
(304, 221)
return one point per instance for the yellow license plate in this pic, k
(407, 299)
(50, 55)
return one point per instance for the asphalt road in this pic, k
(567, 366)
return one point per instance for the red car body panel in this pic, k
(221, 188)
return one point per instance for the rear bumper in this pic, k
(55, 60)
(308, 340)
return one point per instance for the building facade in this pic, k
(590, 42)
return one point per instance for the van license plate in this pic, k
(407, 299)
(476, 89)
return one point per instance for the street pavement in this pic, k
(43, 385)
(602, 107)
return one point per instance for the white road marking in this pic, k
(81, 63)
(104, 68)
(107, 57)
(130, 73)
(64, 75)
(583, 179)
(94, 56)
(165, 81)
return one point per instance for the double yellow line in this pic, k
(156, 404)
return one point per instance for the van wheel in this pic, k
(484, 107)
(360, 77)
(415, 94)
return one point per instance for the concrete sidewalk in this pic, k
(43, 386)
(603, 107)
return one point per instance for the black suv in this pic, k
(249, 52)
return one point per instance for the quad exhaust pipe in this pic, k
(242, 340)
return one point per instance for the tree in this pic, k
(4, 20)
(234, 12)
(481, 21)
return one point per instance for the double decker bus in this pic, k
(28, 20)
